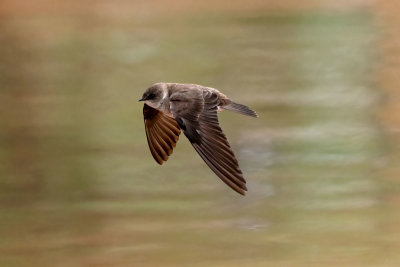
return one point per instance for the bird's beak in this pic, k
(142, 99)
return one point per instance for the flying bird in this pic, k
(170, 108)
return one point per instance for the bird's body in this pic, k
(172, 107)
(178, 92)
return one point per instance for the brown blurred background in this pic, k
(78, 185)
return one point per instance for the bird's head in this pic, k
(153, 95)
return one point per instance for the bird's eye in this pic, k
(151, 96)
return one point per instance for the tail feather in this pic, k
(242, 109)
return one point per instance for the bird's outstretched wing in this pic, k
(162, 133)
(200, 125)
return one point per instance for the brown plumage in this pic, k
(162, 133)
(170, 108)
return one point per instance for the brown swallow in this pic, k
(172, 107)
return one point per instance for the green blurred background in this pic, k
(78, 186)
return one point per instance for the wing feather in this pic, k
(162, 133)
(202, 128)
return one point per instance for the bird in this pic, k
(170, 108)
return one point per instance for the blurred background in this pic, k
(78, 185)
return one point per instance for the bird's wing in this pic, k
(200, 125)
(162, 133)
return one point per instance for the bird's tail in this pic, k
(242, 109)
